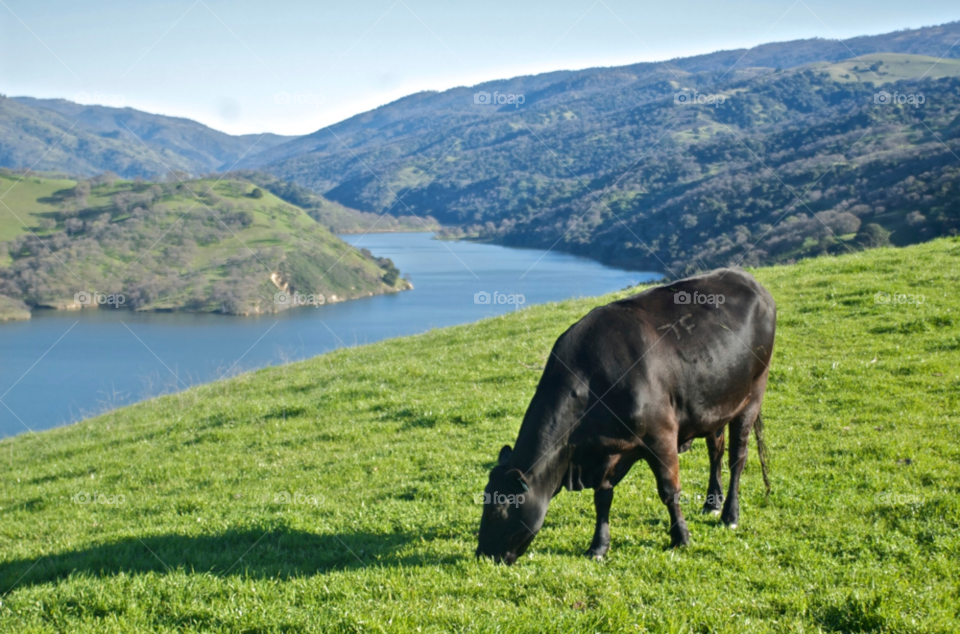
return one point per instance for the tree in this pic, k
(872, 235)
(107, 178)
(177, 176)
(256, 193)
(80, 191)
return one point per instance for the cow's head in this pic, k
(512, 513)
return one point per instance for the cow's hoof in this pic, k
(596, 555)
(732, 526)
(708, 510)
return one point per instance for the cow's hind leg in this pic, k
(666, 468)
(602, 499)
(740, 428)
(714, 501)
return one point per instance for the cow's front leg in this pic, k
(602, 499)
(666, 468)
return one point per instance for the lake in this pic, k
(62, 366)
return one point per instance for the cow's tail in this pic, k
(762, 451)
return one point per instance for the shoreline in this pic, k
(15, 314)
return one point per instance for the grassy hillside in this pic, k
(336, 494)
(200, 245)
(24, 207)
(884, 68)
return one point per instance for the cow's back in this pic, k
(697, 343)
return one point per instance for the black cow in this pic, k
(639, 378)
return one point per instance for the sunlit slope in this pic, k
(24, 201)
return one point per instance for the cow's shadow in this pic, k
(266, 553)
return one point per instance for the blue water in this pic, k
(60, 367)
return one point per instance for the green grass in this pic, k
(24, 202)
(381, 448)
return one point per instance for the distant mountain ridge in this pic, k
(63, 136)
(403, 117)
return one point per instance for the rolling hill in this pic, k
(197, 245)
(338, 494)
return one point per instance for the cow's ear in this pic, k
(515, 475)
(505, 454)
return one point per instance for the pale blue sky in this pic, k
(292, 66)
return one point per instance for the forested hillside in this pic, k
(791, 164)
(611, 164)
